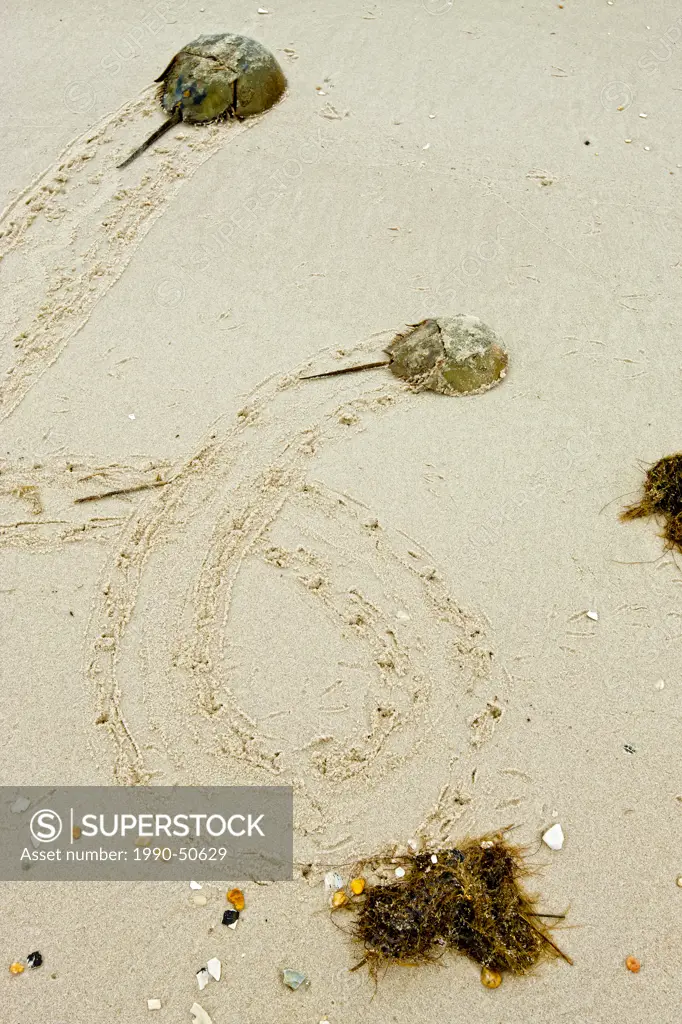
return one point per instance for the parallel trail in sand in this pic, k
(68, 237)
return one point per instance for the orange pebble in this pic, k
(632, 964)
(491, 979)
(339, 898)
(76, 832)
(236, 898)
(357, 885)
(16, 968)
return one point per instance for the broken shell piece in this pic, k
(199, 899)
(554, 837)
(153, 1004)
(453, 355)
(214, 968)
(194, 885)
(491, 979)
(357, 886)
(199, 1015)
(230, 918)
(633, 964)
(203, 978)
(593, 615)
(35, 959)
(339, 898)
(333, 881)
(293, 979)
(236, 898)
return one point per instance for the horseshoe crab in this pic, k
(453, 355)
(223, 75)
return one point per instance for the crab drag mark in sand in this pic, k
(196, 692)
(68, 237)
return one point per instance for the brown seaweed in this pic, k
(662, 496)
(468, 900)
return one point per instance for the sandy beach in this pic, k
(375, 595)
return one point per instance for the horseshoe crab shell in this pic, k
(453, 355)
(223, 75)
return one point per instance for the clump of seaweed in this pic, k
(662, 496)
(468, 900)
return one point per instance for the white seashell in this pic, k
(333, 881)
(554, 837)
(214, 968)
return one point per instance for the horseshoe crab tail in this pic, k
(174, 119)
(347, 369)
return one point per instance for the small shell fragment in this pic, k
(16, 968)
(214, 967)
(194, 885)
(153, 1004)
(199, 899)
(230, 918)
(400, 872)
(339, 898)
(333, 881)
(199, 1015)
(633, 964)
(357, 885)
(203, 978)
(236, 898)
(35, 959)
(491, 979)
(293, 979)
(554, 837)
(593, 615)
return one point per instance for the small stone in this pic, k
(333, 881)
(230, 918)
(20, 804)
(236, 898)
(678, 881)
(76, 831)
(487, 844)
(554, 837)
(628, 140)
(434, 859)
(633, 964)
(400, 872)
(16, 968)
(643, 115)
(214, 968)
(203, 978)
(339, 898)
(647, 149)
(491, 979)
(35, 959)
(153, 1004)
(357, 886)
(293, 979)
(199, 899)
(660, 685)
